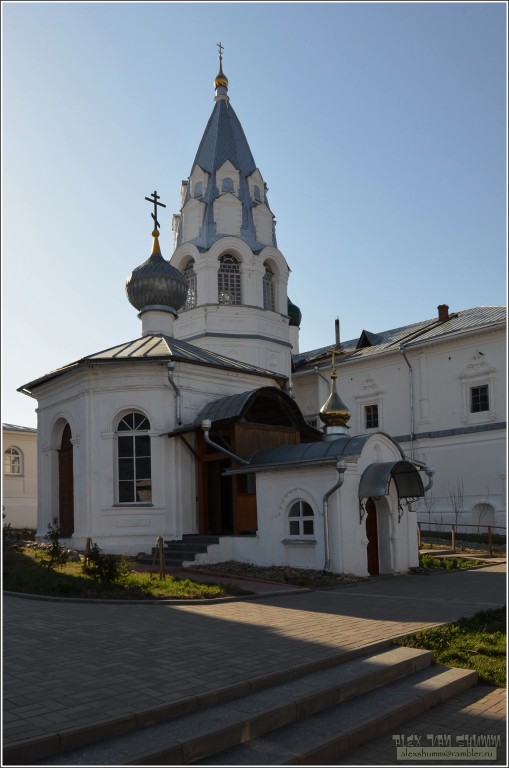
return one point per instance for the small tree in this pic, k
(484, 507)
(457, 499)
(429, 502)
(457, 504)
(57, 554)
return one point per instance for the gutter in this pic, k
(411, 387)
(206, 425)
(171, 367)
(341, 468)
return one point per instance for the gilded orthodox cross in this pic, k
(333, 361)
(221, 49)
(154, 199)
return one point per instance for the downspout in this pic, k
(430, 471)
(206, 425)
(411, 385)
(171, 367)
(341, 468)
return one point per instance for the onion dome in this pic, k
(294, 314)
(334, 413)
(156, 284)
(221, 81)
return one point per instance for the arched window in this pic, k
(269, 300)
(134, 465)
(13, 461)
(198, 189)
(228, 280)
(227, 185)
(301, 519)
(190, 278)
(257, 195)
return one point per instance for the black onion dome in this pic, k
(156, 284)
(294, 314)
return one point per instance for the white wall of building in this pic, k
(277, 491)
(92, 400)
(19, 496)
(464, 447)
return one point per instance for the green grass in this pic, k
(448, 563)
(478, 642)
(23, 571)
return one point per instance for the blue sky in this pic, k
(380, 129)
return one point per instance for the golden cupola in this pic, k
(334, 413)
(221, 81)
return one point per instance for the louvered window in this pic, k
(190, 278)
(228, 280)
(269, 301)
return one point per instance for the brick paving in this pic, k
(67, 664)
(477, 713)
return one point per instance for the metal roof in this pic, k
(17, 428)
(475, 319)
(159, 348)
(376, 478)
(265, 405)
(223, 140)
(312, 453)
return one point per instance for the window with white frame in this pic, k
(478, 390)
(190, 278)
(269, 294)
(13, 461)
(301, 519)
(228, 280)
(371, 416)
(479, 399)
(134, 459)
(369, 400)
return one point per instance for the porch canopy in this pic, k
(266, 405)
(376, 478)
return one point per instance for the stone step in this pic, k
(274, 702)
(327, 736)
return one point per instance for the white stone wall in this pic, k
(245, 332)
(92, 401)
(278, 490)
(19, 497)
(442, 376)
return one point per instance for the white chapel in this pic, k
(206, 430)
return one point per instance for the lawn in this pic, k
(24, 571)
(448, 563)
(478, 642)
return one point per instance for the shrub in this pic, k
(104, 567)
(57, 555)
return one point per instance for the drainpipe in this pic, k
(206, 425)
(411, 385)
(322, 377)
(171, 367)
(430, 471)
(341, 468)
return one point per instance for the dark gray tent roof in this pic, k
(376, 478)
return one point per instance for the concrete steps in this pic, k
(178, 551)
(300, 715)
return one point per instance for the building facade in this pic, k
(19, 497)
(207, 424)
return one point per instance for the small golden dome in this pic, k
(334, 412)
(221, 79)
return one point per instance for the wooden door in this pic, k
(66, 484)
(372, 534)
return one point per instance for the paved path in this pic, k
(463, 721)
(68, 664)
